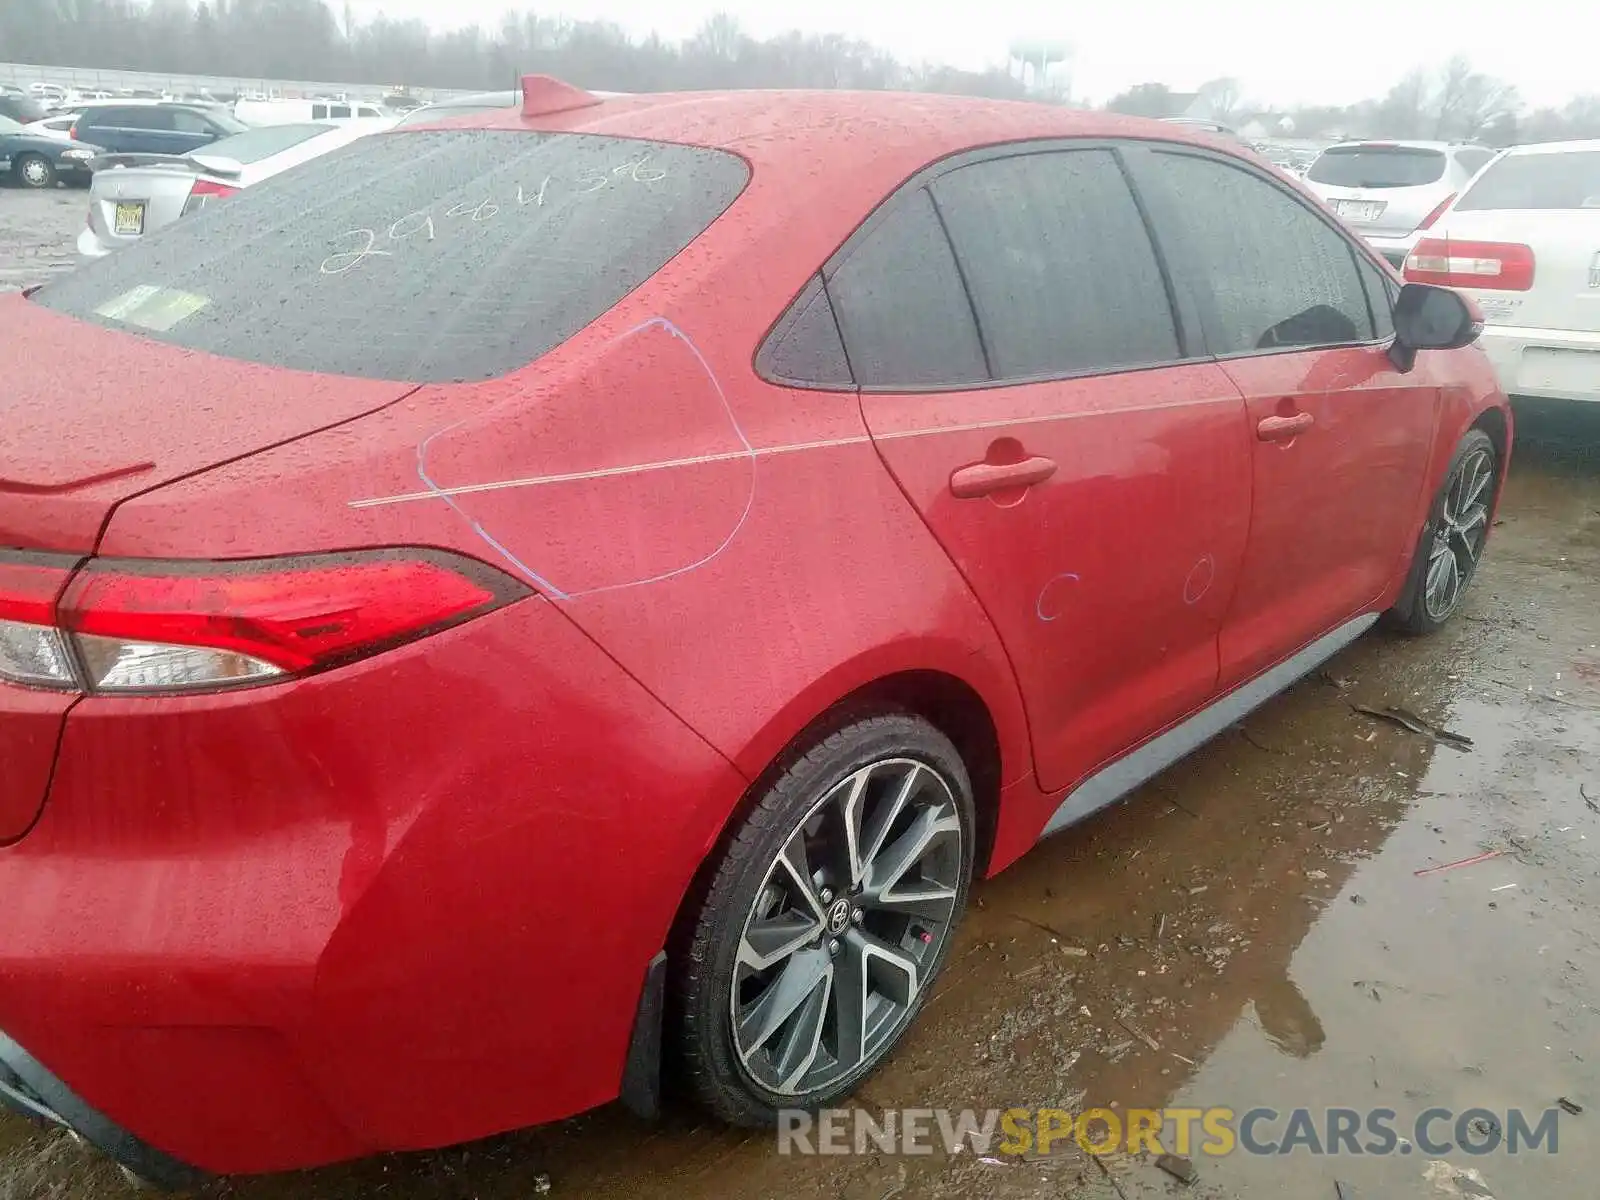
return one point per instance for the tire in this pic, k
(34, 171)
(760, 947)
(1457, 527)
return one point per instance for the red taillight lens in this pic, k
(1427, 221)
(1487, 266)
(202, 192)
(139, 625)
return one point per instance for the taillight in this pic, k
(134, 625)
(202, 192)
(1427, 221)
(32, 649)
(1487, 266)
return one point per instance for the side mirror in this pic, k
(1431, 318)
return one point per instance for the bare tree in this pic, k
(1466, 100)
(1221, 98)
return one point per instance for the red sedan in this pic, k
(596, 580)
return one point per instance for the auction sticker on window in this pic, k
(150, 306)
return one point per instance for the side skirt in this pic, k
(1115, 781)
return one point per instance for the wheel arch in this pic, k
(989, 732)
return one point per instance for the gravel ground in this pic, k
(1256, 914)
(38, 232)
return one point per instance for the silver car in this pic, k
(1390, 192)
(132, 194)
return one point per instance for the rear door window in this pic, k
(1059, 264)
(431, 256)
(901, 306)
(1276, 274)
(1569, 179)
(1377, 166)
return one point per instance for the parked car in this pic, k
(34, 160)
(133, 194)
(58, 126)
(294, 112)
(155, 128)
(21, 108)
(1392, 192)
(522, 578)
(1524, 242)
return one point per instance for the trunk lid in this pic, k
(94, 415)
(1566, 265)
(133, 194)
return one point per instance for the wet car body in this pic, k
(239, 923)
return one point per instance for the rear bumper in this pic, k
(28, 1088)
(402, 904)
(1550, 364)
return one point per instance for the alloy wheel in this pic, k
(852, 912)
(1459, 534)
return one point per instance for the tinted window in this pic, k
(1568, 179)
(901, 306)
(1377, 166)
(805, 346)
(1474, 160)
(339, 110)
(128, 118)
(1059, 264)
(256, 144)
(427, 256)
(1381, 292)
(319, 112)
(1277, 275)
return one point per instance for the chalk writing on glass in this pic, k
(409, 224)
(638, 172)
(480, 211)
(536, 198)
(344, 260)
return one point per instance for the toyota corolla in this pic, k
(591, 584)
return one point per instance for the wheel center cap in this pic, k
(838, 916)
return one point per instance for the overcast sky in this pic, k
(1283, 53)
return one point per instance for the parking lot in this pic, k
(36, 233)
(1259, 926)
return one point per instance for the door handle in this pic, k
(980, 479)
(1283, 429)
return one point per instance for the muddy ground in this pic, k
(1256, 913)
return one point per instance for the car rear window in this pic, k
(1561, 180)
(433, 256)
(253, 145)
(1378, 166)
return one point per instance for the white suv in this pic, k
(1391, 192)
(1524, 242)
